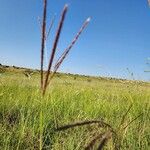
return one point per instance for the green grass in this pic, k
(28, 121)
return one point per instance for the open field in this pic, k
(28, 121)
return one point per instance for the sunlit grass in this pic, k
(28, 121)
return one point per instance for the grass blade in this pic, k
(133, 120)
(124, 116)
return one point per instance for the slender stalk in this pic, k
(43, 39)
(124, 116)
(65, 53)
(55, 46)
(46, 33)
(60, 60)
(50, 27)
(82, 123)
(41, 130)
(132, 121)
(46, 38)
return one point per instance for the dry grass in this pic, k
(54, 47)
(43, 39)
(49, 73)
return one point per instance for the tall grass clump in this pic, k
(44, 37)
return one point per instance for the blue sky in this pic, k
(118, 36)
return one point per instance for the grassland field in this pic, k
(28, 120)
